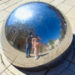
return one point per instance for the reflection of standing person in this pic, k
(27, 49)
(36, 46)
(28, 45)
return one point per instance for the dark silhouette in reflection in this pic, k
(28, 45)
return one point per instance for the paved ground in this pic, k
(68, 9)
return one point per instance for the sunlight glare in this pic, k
(23, 13)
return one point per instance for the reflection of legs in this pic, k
(36, 53)
(38, 47)
(27, 50)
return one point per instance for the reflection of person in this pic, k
(28, 45)
(36, 46)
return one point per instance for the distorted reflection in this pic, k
(35, 28)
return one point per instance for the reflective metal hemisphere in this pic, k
(35, 34)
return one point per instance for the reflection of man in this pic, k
(28, 45)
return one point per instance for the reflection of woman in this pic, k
(36, 46)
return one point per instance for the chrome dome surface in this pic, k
(33, 34)
(36, 18)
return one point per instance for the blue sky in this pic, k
(40, 17)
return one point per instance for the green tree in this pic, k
(41, 48)
(51, 42)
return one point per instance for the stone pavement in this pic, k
(67, 7)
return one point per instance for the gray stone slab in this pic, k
(15, 71)
(12, 7)
(3, 15)
(2, 68)
(1, 2)
(73, 61)
(72, 67)
(3, 73)
(36, 73)
(70, 70)
(71, 54)
(47, 1)
(63, 7)
(71, 13)
(72, 23)
(69, 2)
(5, 0)
(59, 69)
(57, 2)
(8, 72)
(8, 4)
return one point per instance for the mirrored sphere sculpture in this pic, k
(33, 33)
